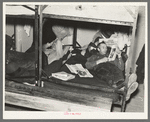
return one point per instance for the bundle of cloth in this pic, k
(114, 35)
(20, 63)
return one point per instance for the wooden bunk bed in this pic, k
(69, 96)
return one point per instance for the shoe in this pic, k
(132, 88)
(132, 79)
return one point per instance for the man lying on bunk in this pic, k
(94, 60)
(23, 63)
(109, 70)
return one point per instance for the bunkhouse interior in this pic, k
(74, 57)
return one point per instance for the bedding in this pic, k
(56, 66)
(95, 81)
(23, 64)
(102, 71)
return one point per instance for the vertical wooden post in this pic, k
(74, 35)
(130, 59)
(129, 63)
(36, 25)
(40, 46)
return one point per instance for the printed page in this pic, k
(112, 54)
(80, 70)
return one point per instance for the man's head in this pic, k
(102, 47)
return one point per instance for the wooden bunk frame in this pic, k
(20, 94)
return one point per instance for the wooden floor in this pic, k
(136, 103)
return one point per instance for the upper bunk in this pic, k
(97, 13)
(20, 11)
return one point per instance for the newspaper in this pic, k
(112, 54)
(80, 70)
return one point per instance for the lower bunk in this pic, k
(57, 95)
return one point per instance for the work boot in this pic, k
(132, 78)
(132, 88)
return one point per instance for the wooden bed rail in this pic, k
(55, 98)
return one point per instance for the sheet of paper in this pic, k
(63, 76)
(79, 69)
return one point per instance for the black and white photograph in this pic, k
(75, 60)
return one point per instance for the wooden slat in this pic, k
(48, 104)
(79, 85)
(21, 16)
(19, 10)
(40, 47)
(130, 63)
(74, 36)
(83, 19)
(130, 12)
(49, 86)
(75, 96)
(28, 7)
(98, 11)
(36, 33)
(43, 7)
